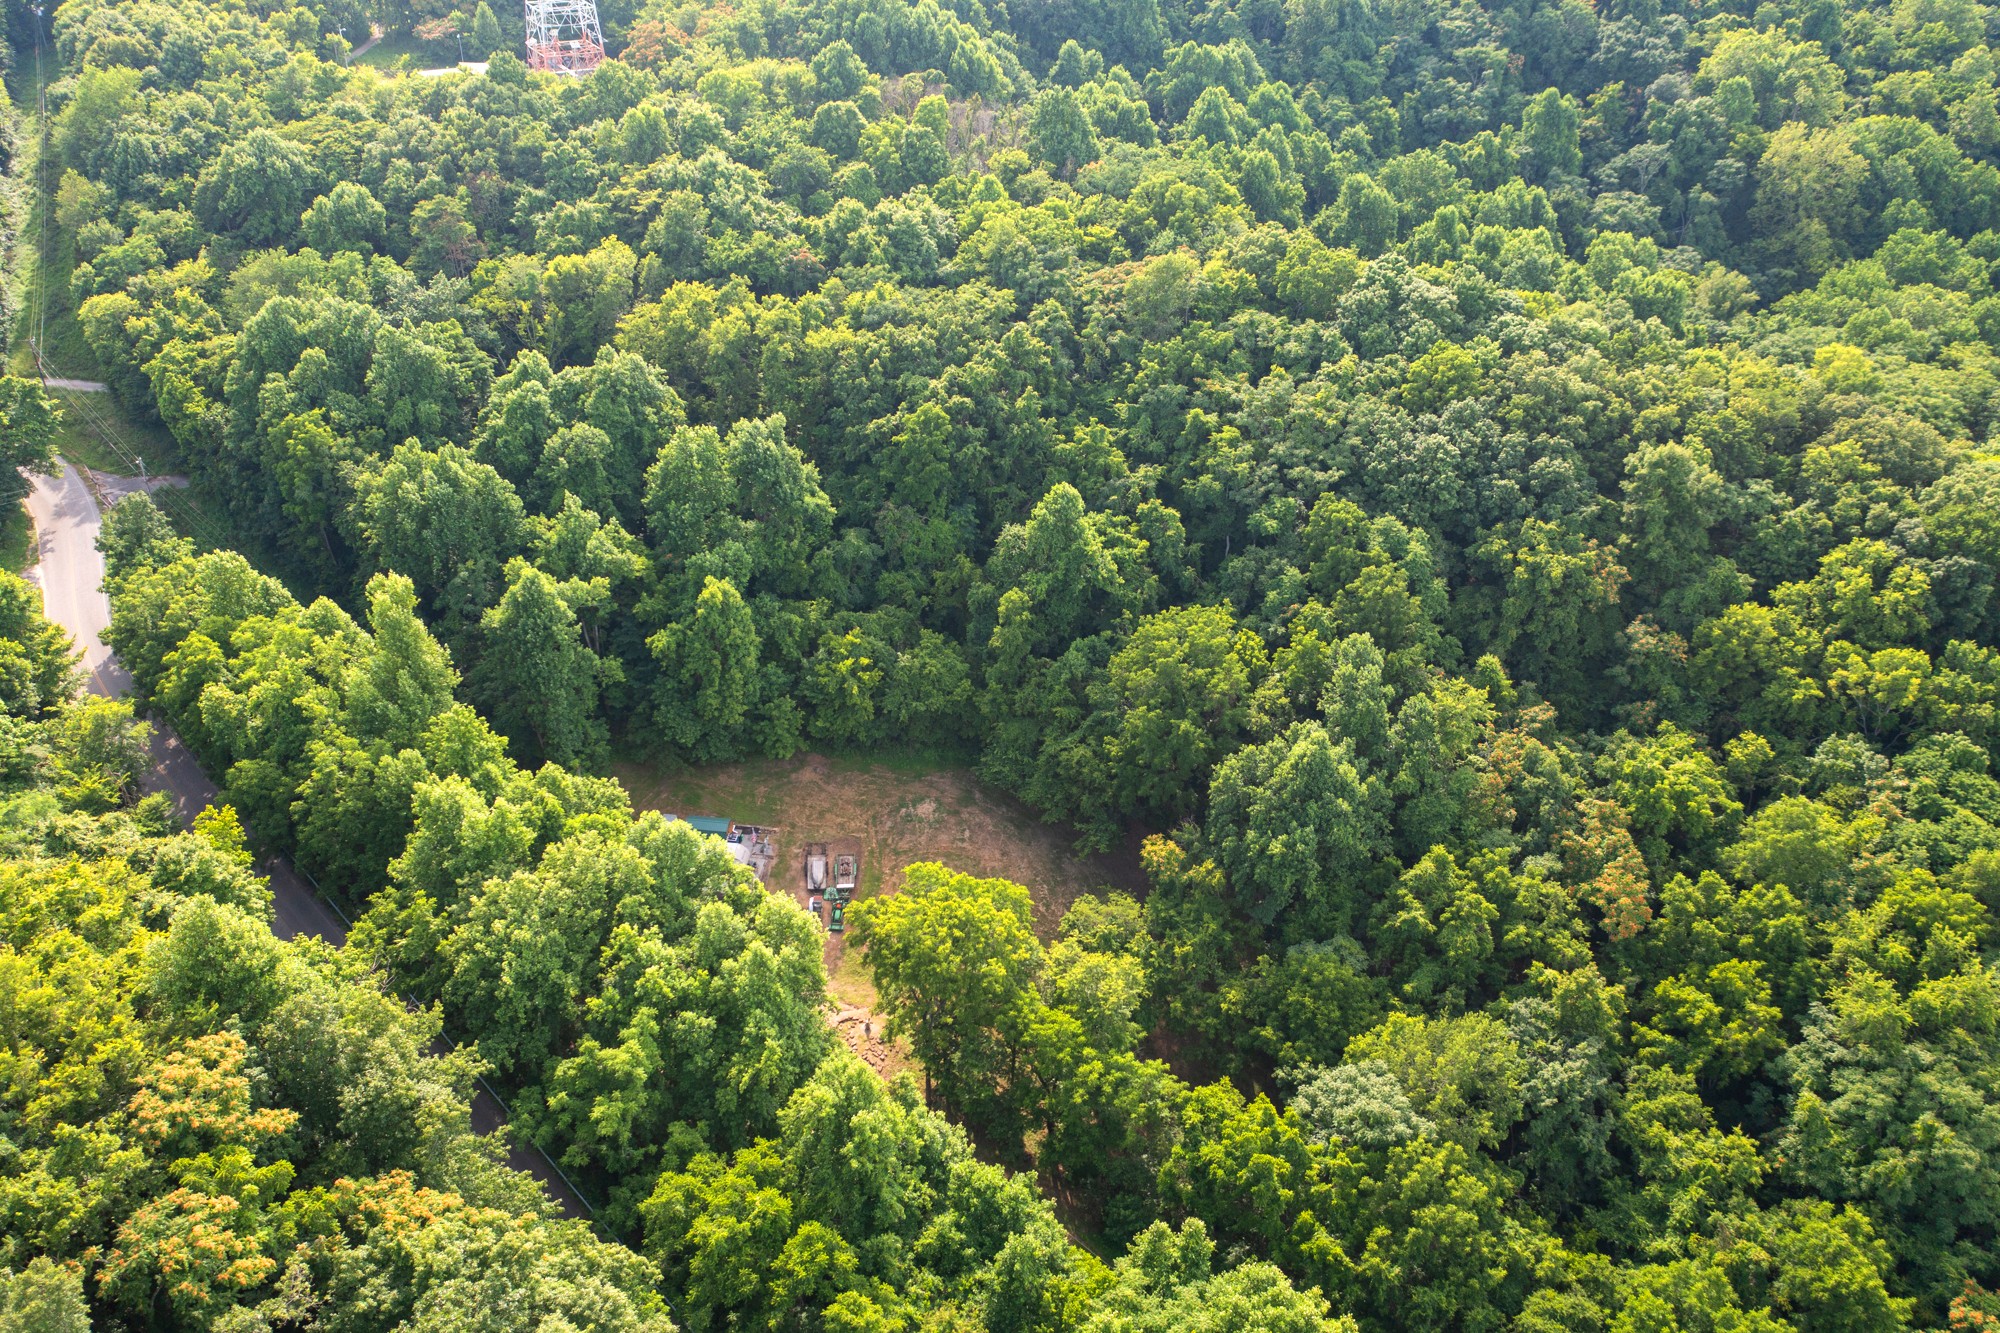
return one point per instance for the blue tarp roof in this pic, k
(704, 823)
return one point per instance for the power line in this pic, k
(190, 519)
(39, 310)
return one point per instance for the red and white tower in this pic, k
(563, 36)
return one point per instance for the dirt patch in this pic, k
(892, 816)
(861, 1029)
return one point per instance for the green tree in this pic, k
(257, 188)
(838, 70)
(539, 680)
(1311, 278)
(44, 1297)
(1174, 700)
(586, 296)
(953, 958)
(135, 535)
(708, 674)
(1298, 818)
(1463, 1075)
(406, 680)
(836, 129)
(1550, 123)
(841, 683)
(1881, 1077)
(1809, 195)
(1809, 848)
(445, 520)
(1060, 133)
(1550, 607)
(38, 671)
(347, 217)
(442, 239)
(28, 422)
(1680, 804)
(1366, 217)
(1672, 499)
(1166, 1281)
(97, 751)
(486, 38)
(1438, 929)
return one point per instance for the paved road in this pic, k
(71, 574)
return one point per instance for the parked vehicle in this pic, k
(816, 868)
(839, 922)
(846, 870)
(813, 904)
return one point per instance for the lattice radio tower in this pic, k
(563, 36)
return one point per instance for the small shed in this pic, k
(704, 824)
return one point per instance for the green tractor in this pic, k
(839, 922)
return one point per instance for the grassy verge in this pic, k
(199, 515)
(96, 433)
(26, 80)
(17, 540)
(92, 422)
(43, 254)
(393, 47)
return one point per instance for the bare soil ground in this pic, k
(893, 814)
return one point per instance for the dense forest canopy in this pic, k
(1498, 497)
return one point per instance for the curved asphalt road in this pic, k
(71, 575)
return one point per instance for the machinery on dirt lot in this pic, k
(846, 869)
(839, 922)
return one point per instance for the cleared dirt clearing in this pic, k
(894, 814)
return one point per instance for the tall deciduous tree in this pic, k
(347, 217)
(952, 957)
(708, 674)
(406, 679)
(539, 679)
(257, 188)
(448, 522)
(1298, 818)
(28, 422)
